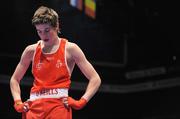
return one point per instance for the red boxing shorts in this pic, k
(48, 105)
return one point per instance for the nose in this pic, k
(43, 35)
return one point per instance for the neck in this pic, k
(51, 47)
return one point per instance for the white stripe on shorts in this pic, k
(49, 93)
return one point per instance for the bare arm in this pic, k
(87, 69)
(20, 71)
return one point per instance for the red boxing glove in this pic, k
(20, 106)
(77, 104)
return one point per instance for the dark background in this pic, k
(133, 45)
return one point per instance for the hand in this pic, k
(76, 104)
(20, 106)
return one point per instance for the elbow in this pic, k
(98, 81)
(13, 81)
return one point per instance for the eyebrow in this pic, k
(43, 29)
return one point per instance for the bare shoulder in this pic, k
(75, 51)
(31, 48)
(71, 46)
(29, 51)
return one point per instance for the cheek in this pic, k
(42, 36)
(52, 34)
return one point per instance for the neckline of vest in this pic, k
(60, 41)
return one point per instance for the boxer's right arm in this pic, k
(19, 72)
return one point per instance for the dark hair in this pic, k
(45, 15)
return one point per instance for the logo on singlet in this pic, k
(58, 63)
(39, 65)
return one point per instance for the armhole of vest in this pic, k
(65, 60)
(37, 44)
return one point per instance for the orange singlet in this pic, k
(51, 82)
(50, 70)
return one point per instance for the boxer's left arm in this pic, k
(90, 73)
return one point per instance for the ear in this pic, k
(58, 29)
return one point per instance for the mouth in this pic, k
(45, 40)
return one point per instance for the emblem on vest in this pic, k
(58, 63)
(39, 65)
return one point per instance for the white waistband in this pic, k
(49, 93)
